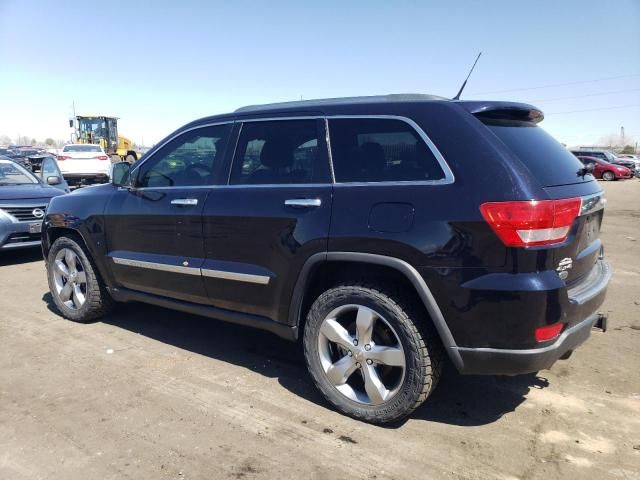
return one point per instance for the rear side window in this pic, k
(550, 162)
(380, 150)
(280, 152)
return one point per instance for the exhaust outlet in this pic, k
(600, 323)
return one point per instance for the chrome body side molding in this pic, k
(205, 272)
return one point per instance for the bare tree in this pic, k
(611, 140)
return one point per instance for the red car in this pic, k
(606, 170)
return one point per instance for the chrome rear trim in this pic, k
(594, 282)
(592, 203)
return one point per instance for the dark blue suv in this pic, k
(387, 234)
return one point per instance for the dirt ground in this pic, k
(153, 394)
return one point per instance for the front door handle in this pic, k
(185, 202)
(303, 202)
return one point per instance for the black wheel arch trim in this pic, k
(400, 265)
(78, 229)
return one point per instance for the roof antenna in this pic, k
(464, 84)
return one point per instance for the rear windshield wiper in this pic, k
(586, 170)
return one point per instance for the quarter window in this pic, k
(189, 160)
(279, 152)
(380, 150)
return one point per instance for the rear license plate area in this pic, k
(590, 230)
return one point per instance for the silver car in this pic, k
(23, 201)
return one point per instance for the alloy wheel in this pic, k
(70, 279)
(361, 354)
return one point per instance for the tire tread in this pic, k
(427, 346)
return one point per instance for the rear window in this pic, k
(380, 150)
(550, 162)
(81, 148)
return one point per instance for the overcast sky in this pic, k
(159, 64)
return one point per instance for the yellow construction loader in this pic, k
(103, 131)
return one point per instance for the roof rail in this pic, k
(394, 97)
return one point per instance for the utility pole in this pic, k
(622, 135)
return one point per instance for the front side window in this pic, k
(380, 150)
(279, 152)
(189, 160)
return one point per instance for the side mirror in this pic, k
(54, 180)
(120, 174)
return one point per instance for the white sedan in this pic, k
(84, 164)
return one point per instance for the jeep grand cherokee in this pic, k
(387, 234)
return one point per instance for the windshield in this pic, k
(610, 156)
(13, 174)
(81, 148)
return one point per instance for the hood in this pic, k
(25, 192)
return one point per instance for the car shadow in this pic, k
(21, 256)
(458, 400)
(473, 400)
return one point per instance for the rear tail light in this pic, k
(102, 157)
(533, 222)
(548, 332)
(63, 157)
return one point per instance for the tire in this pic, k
(608, 176)
(88, 298)
(366, 382)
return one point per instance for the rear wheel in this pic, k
(608, 176)
(369, 354)
(75, 285)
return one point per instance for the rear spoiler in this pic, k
(503, 111)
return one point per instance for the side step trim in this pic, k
(254, 321)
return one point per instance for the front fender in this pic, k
(81, 213)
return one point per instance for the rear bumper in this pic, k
(77, 179)
(496, 361)
(579, 315)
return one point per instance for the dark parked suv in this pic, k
(387, 234)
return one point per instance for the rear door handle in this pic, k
(184, 202)
(303, 202)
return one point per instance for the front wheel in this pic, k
(370, 354)
(74, 283)
(608, 176)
